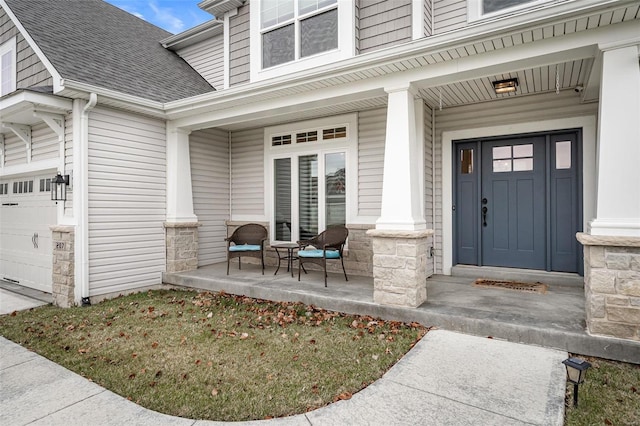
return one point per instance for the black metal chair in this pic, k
(327, 245)
(248, 240)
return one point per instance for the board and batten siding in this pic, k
(239, 40)
(383, 23)
(515, 110)
(209, 152)
(207, 57)
(127, 199)
(449, 15)
(371, 137)
(247, 173)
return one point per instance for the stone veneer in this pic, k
(63, 288)
(400, 266)
(612, 285)
(182, 246)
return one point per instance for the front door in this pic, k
(517, 202)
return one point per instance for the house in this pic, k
(441, 132)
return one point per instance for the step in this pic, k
(522, 275)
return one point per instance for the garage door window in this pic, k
(23, 187)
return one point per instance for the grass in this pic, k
(610, 395)
(215, 356)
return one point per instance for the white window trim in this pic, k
(345, 50)
(474, 9)
(348, 145)
(10, 46)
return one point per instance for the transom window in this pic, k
(512, 158)
(311, 183)
(294, 29)
(8, 67)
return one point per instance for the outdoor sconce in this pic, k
(576, 371)
(505, 86)
(59, 187)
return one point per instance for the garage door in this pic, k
(26, 212)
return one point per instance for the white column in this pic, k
(401, 199)
(618, 192)
(179, 194)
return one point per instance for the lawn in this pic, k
(216, 356)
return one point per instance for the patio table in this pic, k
(289, 257)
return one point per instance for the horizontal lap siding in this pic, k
(449, 15)
(68, 161)
(516, 110)
(428, 176)
(247, 173)
(15, 150)
(383, 23)
(209, 151)
(239, 47)
(207, 58)
(44, 143)
(127, 179)
(371, 137)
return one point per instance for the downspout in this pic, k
(433, 185)
(82, 233)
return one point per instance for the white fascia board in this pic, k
(193, 35)
(427, 45)
(131, 102)
(48, 65)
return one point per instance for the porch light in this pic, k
(576, 371)
(505, 86)
(59, 187)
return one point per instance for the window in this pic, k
(296, 29)
(311, 185)
(8, 67)
(4, 188)
(294, 35)
(479, 9)
(516, 158)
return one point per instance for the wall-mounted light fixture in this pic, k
(59, 186)
(505, 86)
(576, 371)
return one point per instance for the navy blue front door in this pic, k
(517, 202)
(513, 208)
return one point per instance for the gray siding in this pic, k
(207, 57)
(68, 160)
(383, 23)
(449, 15)
(371, 137)
(427, 17)
(239, 47)
(516, 110)
(127, 178)
(30, 69)
(247, 173)
(428, 177)
(209, 151)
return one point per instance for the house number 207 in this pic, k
(59, 246)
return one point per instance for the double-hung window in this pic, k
(312, 184)
(293, 29)
(480, 9)
(294, 35)
(8, 67)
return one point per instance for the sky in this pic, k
(174, 16)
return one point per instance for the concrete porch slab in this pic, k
(555, 319)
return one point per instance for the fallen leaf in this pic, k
(14, 313)
(154, 345)
(134, 355)
(375, 357)
(158, 374)
(132, 376)
(214, 392)
(295, 357)
(83, 351)
(607, 422)
(244, 336)
(198, 362)
(210, 315)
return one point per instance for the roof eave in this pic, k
(193, 35)
(220, 7)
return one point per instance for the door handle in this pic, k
(484, 215)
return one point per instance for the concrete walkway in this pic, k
(446, 379)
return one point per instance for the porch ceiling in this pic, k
(432, 63)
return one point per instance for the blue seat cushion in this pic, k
(331, 254)
(245, 247)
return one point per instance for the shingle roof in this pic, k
(93, 42)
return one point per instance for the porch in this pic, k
(555, 319)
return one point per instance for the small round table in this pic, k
(290, 247)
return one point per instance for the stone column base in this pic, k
(400, 266)
(612, 285)
(182, 246)
(63, 276)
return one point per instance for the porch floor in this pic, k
(555, 319)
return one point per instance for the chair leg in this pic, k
(262, 259)
(239, 263)
(344, 270)
(325, 271)
(228, 260)
(300, 267)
